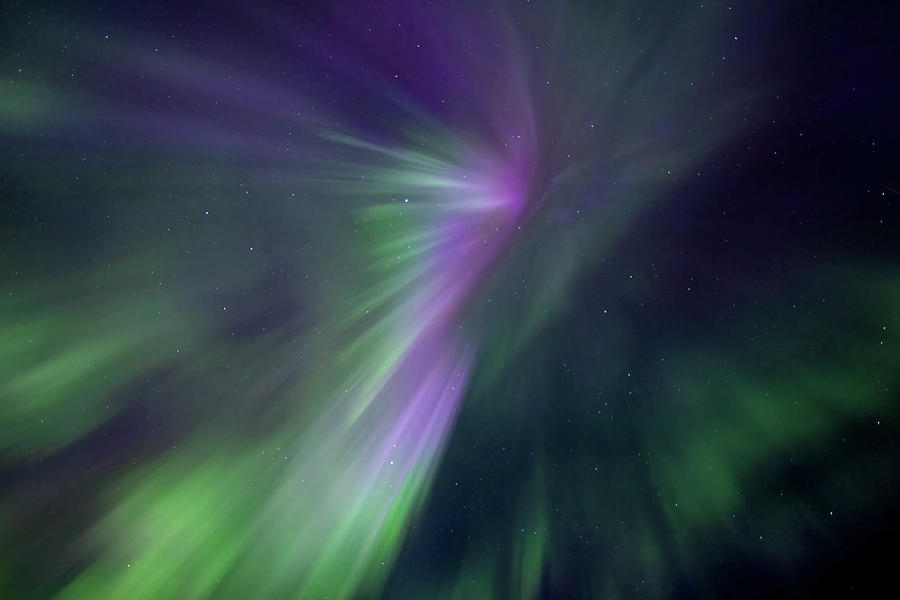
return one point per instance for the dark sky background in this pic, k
(449, 300)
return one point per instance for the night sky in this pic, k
(449, 300)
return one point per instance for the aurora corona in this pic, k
(447, 300)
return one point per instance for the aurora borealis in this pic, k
(452, 300)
